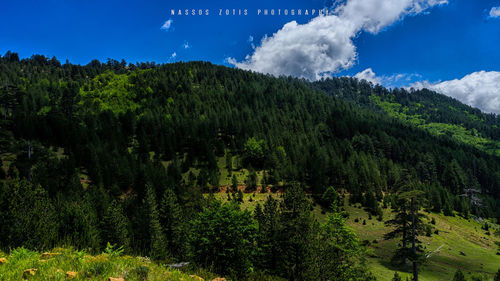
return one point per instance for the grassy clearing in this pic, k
(65, 263)
(456, 234)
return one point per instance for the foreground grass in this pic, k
(64, 264)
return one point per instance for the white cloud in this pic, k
(390, 81)
(186, 45)
(167, 25)
(479, 89)
(324, 45)
(250, 40)
(369, 76)
(495, 12)
(174, 54)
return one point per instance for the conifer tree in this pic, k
(156, 237)
(115, 226)
(267, 235)
(171, 221)
(295, 234)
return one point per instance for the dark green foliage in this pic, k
(172, 222)
(222, 238)
(329, 197)
(157, 241)
(28, 218)
(115, 228)
(296, 234)
(108, 139)
(408, 225)
(497, 276)
(251, 181)
(396, 277)
(338, 255)
(234, 183)
(459, 276)
(254, 152)
(268, 218)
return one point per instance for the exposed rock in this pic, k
(28, 273)
(71, 274)
(116, 279)
(3, 260)
(196, 277)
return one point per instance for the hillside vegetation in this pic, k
(132, 154)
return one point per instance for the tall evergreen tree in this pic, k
(116, 226)
(158, 247)
(171, 220)
(296, 233)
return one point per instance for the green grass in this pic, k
(456, 234)
(88, 267)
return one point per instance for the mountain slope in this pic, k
(436, 113)
(124, 153)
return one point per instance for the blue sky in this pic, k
(425, 43)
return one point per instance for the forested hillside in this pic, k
(124, 153)
(436, 113)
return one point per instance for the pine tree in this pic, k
(156, 237)
(171, 221)
(229, 162)
(267, 235)
(251, 181)
(115, 226)
(234, 183)
(296, 233)
(330, 196)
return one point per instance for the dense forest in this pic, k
(129, 154)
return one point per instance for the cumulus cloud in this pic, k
(174, 54)
(186, 45)
(324, 45)
(495, 12)
(369, 76)
(167, 25)
(479, 89)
